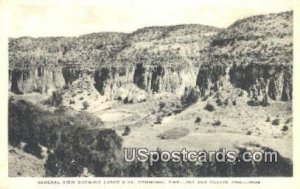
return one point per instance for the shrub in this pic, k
(288, 120)
(126, 132)
(204, 98)
(161, 104)
(226, 102)
(216, 123)
(219, 102)
(85, 105)
(253, 102)
(234, 102)
(158, 119)
(276, 122)
(198, 120)
(209, 107)
(284, 128)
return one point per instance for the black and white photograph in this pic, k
(140, 89)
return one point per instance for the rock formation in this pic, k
(254, 54)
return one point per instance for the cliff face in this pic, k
(107, 80)
(40, 79)
(153, 59)
(258, 80)
(152, 79)
(254, 54)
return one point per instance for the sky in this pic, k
(75, 17)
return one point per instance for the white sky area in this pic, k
(76, 17)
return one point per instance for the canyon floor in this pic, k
(229, 126)
(226, 127)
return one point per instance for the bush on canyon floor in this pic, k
(85, 105)
(127, 131)
(276, 122)
(216, 123)
(197, 120)
(209, 107)
(161, 104)
(284, 128)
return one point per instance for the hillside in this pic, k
(154, 58)
(263, 39)
(151, 45)
(254, 54)
(168, 46)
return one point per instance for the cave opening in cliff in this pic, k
(139, 76)
(16, 75)
(157, 73)
(100, 79)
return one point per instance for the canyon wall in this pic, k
(38, 79)
(258, 80)
(152, 79)
(254, 54)
(109, 81)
